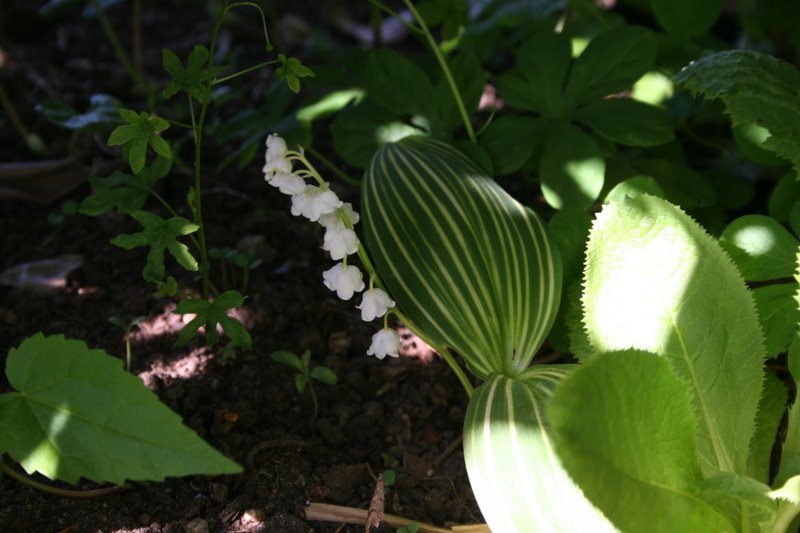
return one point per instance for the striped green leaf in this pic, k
(513, 468)
(472, 268)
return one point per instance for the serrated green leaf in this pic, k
(778, 314)
(103, 114)
(125, 192)
(633, 187)
(750, 138)
(572, 168)
(324, 374)
(211, 313)
(625, 421)
(789, 491)
(537, 82)
(628, 122)
(771, 408)
(459, 255)
(655, 280)
(161, 236)
(611, 63)
(744, 500)
(192, 78)
(761, 248)
(756, 88)
(686, 18)
(511, 141)
(142, 130)
(509, 451)
(78, 414)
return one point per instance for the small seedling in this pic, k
(306, 374)
(127, 327)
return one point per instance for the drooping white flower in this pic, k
(313, 202)
(374, 304)
(290, 184)
(385, 342)
(332, 219)
(346, 281)
(276, 162)
(340, 242)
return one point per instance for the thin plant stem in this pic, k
(128, 351)
(313, 399)
(244, 71)
(339, 173)
(61, 492)
(451, 82)
(111, 35)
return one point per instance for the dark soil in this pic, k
(402, 414)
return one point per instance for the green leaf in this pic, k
(625, 421)
(166, 289)
(628, 122)
(511, 141)
(211, 313)
(655, 280)
(761, 248)
(778, 314)
(537, 83)
(750, 138)
(682, 185)
(125, 192)
(289, 359)
(77, 414)
(142, 130)
(161, 236)
(687, 18)
(291, 70)
(771, 408)
(396, 84)
(743, 499)
(359, 131)
(570, 230)
(756, 88)
(783, 198)
(509, 451)
(300, 382)
(102, 115)
(572, 168)
(459, 255)
(611, 63)
(470, 80)
(633, 187)
(193, 78)
(324, 374)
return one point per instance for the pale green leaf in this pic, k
(471, 267)
(656, 281)
(756, 88)
(686, 18)
(626, 121)
(761, 248)
(572, 168)
(625, 421)
(514, 471)
(77, 414)
(743, 499)
(778, 314)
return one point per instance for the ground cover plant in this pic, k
(589, 211)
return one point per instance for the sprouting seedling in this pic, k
(244, 261)
(126, 327)
(305, 374)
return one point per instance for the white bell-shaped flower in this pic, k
(332, 219)
(346, 281)
(275, 158)
(340, 242)
(385, 342)
(313, 202)
(374, 304)
(290, 184)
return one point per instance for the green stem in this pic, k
(111, 35)
(127, 351)
(451, 82)
(245, 71)
(786, 514)
(60, 492)
(260, 12)
(333, 168)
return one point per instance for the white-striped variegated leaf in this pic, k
(471, 267)
(517, 478)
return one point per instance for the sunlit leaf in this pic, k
(209, 314)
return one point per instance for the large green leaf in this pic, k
(397, 84)
(687, 17)
(626, 121)
(572, 168)
(756, 88)
(76, 413)
(771, 408)
(511, 459)
(761, 248)
(511, 141)
(470, 266)
(656, 281)
(625, 432)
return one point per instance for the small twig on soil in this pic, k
(68, 493)
(448, 451)
(349, 515)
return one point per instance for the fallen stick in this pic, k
(350, 515)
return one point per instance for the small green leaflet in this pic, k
(125, 192)
(211, 313)
(193, 78)
(291, 70)
(102, 115)
(756, 88)
(160, 235)
(77, 414)
(686, 18)
(142, 130)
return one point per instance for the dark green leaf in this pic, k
(470, 80)
(633, 187)
(771, 408)
(161, 236)
(783, 197)
(570, 230)
(572, 168)
(300, 382)
(398, 85)
(122, 191)
(78, 414)
(761, 248)
(778, 314)
(511, 141)
(102, 115)
(211, 313)
(611, 63)
(291, 70)
(686, 18)
(289, 359)
(142, 130)
(682, 185)
(627, 121)
(193, 78)
(324, 374)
